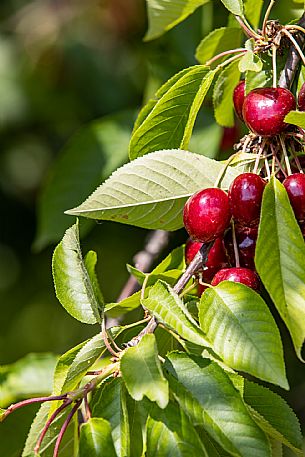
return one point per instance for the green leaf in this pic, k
(124, 306)
(279, 259)
(170, 123)
(250, 62)
(296, 118)
(273, 415)
(253, 11)
(205, 392)
(142, 372)
(234, 6)
(179, 437)
(150, 192)
(46, 449)
(95, 439)
(109, 402)
(28, 377)
(73, 286)
(219, 40)
(223, 94)
(242, 331)
(87, 159)
(212, 447)
(263, 78)
(164, 15)
(168, 308)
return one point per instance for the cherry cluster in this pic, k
(207, 217)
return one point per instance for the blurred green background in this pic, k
(73, 75)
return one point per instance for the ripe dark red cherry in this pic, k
(246, 240)
(217, 259)
(230, 136)
(191, 249)
(239, 98)
(245, 198)
(243, 275)
(206, 214)
(301, 98)
(295, 187)
(264, 110)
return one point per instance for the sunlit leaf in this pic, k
(95, 439)
(296, 118)
(216, 42)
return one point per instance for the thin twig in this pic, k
(287, 163)
(225, 53)
(30, 401)
(272, 2)
(250, 33)
(295, 43)
(236, 253)
(64, 428)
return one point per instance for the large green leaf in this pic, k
(95, 439)
(279, 259)
(109, 402)
(170, 123)
(88, 158)
(216, 42)
(223, 94)
(74, 288)
(142, 372)
(206, 393)
(150, 192)
(29, 376)
(296, 118)
(253, 11)
(234, 6)
(242, 331)
(46, 449)
(164, 15)
(170, 433)
(168, 308)
(273, 415)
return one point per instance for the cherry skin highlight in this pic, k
(295, 187)
(243, 275)
(239, 98)
(264, 110)
(245, 198)
(206, 214)
(301, 98)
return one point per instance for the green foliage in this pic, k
(253, 11)
(234, 6)
(296, 118)
(216, 42)
(95, 439)
(223, 94)
(242, 331)
(143, 359)
(150, 192)
(279, 260)
(74, 279)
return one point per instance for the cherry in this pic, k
(245, 198)
(264, 110)
(230, 136)
(216, 260)
(206, 214)
(246, 242)
(301, 98)
(191, 249)
(239, 98)
(295, 187)
(243, 275)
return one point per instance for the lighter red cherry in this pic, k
(301, 98)
(243, 275)
(295, 187)
(239, 98)
(245, 198)
(264, 110)
(206, 214)
(191, 249)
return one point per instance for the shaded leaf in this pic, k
(164, 15)
(142, 372)
(169, 309)
(205, 392)
(73, 286)
(95, 439)
(150, 192)
(296, 118)
(219, 40)
(242, 331)
(170, 123)
(223, 94)
(279, 259)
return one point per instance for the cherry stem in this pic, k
(48, 424)
(272, 2)
(247, 29)
(258, 157)
(295, 27)
(267, 169)
(277, 160)
(295, 43)
(296, 159)
(236, 253)
(105, 339)
(30, 401)
(288, 168)
(226, 62)
(225, 53)
(274, 67)
(87, 408)
(188, 289)
(64, 428)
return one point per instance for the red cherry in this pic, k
(191, 249)
(295, 187)
(217, 259)
(264, 110)
(301, 98)
(246, 240)
(200, 289)
(206, 214)
(239, 98)
(230, 136)
(245, 198)
(243, 275)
